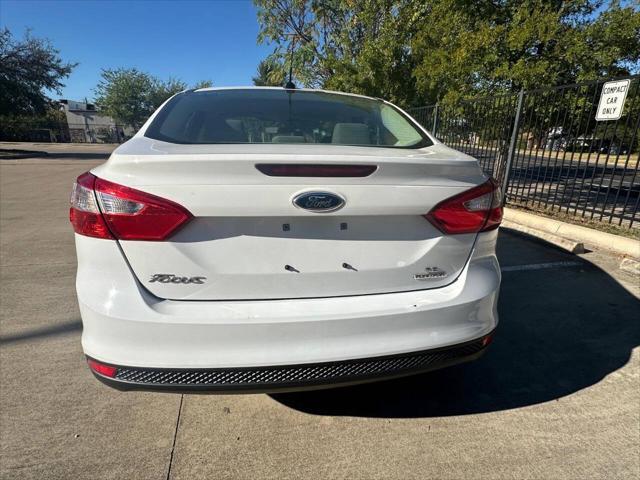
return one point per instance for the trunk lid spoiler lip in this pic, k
(143, 146)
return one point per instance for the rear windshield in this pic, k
(282, 116)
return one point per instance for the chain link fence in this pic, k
(548, 150)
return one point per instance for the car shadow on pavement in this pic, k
(79, 155)
(561, 330)
(47, 331)
(70, 155)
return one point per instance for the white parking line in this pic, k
(540, 266)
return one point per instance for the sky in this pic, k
(189, 40)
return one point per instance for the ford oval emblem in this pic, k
(318, 201)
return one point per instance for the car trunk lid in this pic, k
(249, 240)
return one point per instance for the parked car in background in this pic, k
(581, 143)
(262, 239)
(613, 147)
(556, 141)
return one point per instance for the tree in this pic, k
(361, 46)
(478, 48)
(203, 84)
(131, 96)
(126, 95)
(28, 68)
(420, 51)
(161, 91)
(269, 73)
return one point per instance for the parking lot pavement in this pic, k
(555, 397)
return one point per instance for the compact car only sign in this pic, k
(612, 100)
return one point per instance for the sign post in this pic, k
(612, 100)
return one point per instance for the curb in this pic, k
(560, 242)
(630, 266)
(606, 241)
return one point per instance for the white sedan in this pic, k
(269, 239)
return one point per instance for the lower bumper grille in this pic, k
(277, 377)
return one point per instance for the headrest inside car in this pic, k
(351, 134)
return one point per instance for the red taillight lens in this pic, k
(487, 340)
(84, 213)
(476, 210)
(106, 370)
(135, 215)
(298, 170)
(122, 212)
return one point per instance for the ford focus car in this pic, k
(269, 239)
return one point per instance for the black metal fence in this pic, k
(62, 132)
(548, 150)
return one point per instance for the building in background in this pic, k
(87, 125)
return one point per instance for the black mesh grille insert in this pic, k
(317, 373)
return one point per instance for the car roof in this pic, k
(317, 90)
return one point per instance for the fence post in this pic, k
(435, 120)
(512, 147)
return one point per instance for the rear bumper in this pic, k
(293, 377)
(123, 325)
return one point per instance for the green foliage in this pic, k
(421, 51)
(161, 91)
(127, 95)
(481, 48)
(49, 125)
(358, 46)
(372, 55)
(203, 84)
(28, 67)
(269, 73)
(131, 96)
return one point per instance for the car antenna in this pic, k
(290, 85)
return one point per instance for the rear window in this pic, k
(282, 116)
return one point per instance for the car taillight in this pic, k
(103, 209)
(101, 368)
(84, 213)
(476, 210)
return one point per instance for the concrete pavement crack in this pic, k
(175, 436)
